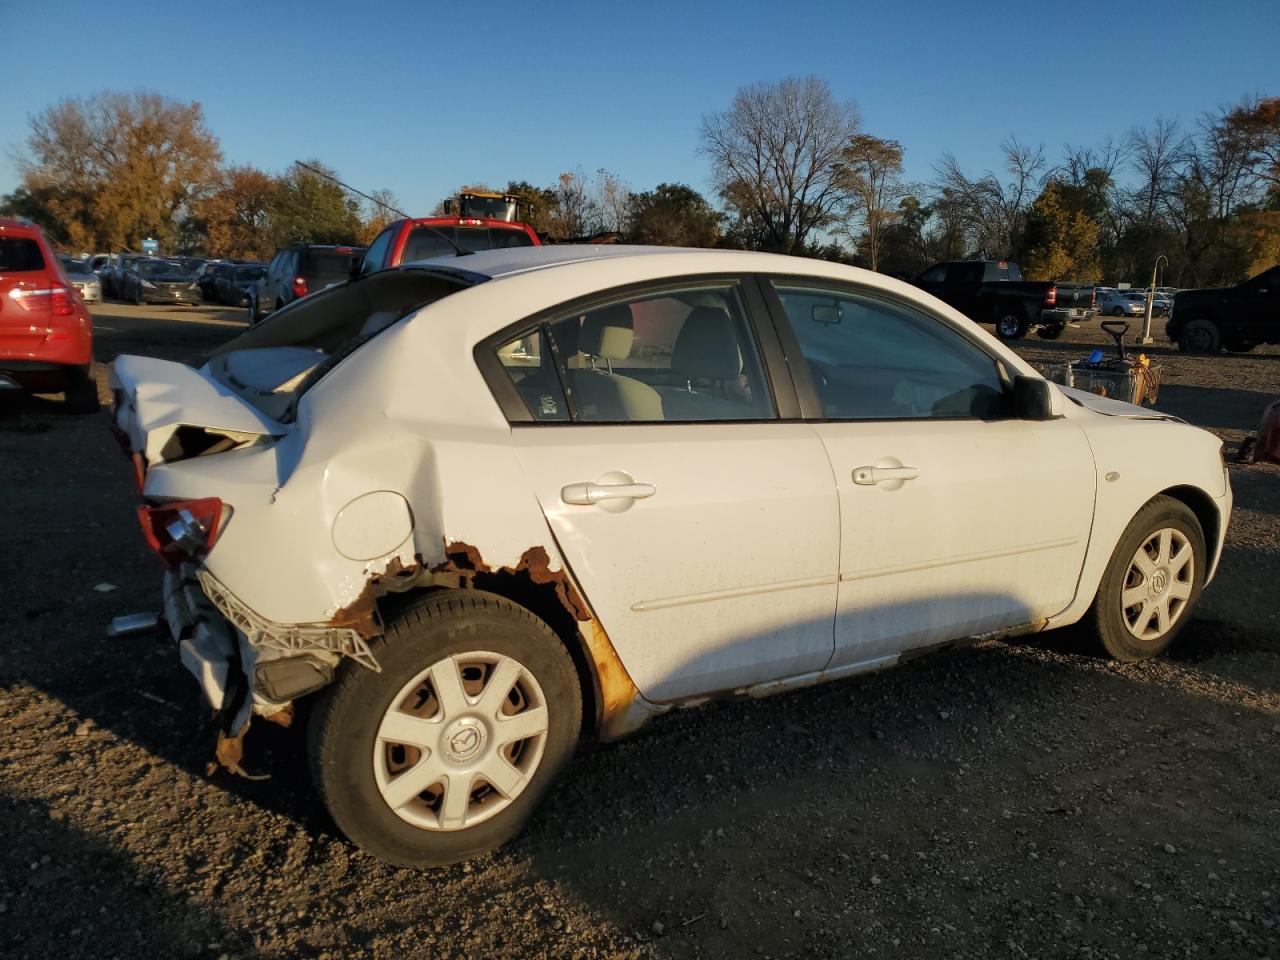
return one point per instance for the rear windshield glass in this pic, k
(331, 264)
(427, 242)
(161, 268)
(18, 255)
(249, 273)
(273, 364)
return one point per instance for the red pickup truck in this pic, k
(46, 331)
(475, 222)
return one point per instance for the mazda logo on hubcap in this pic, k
(1159, 581)
(464, 740)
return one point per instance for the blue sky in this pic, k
(420, 97)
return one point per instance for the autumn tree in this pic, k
(1256, 123)
(776, 159)
(674, 215)
(574, 211)
(313, 209)
(1061, 240)
(872, 169)
(235, 219)
(116, 168)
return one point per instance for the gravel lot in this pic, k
(1012, 800)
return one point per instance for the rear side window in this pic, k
(20, 255)
(330, 265)
(426, 242)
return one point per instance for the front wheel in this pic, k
(444, 753)
(1200, 336)
(1152, 582)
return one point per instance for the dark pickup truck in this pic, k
(1238, 318)
(993, 291)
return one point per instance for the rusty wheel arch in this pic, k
(550, 595)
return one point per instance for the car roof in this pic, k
(512, 260)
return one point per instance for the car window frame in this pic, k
(807, 392)
(759, 319)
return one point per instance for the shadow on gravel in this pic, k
(70, 895)
(1215, 407)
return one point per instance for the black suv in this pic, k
(1238, 318)
(299, 269)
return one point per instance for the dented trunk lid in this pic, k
(169, 411)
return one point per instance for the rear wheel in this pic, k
(1200, 335)
(1117, 311)
(1011, 321)
(80, 395)
(1152, 582)
(444, 753)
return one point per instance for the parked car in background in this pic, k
(1119, 303)
(82, 277)
(204, 278)
(46, 331)
(1237, 318)
(232, 282)
(408, 240)
(361, 500)
(993, 291)
(1159, 305)
(113, 275)
(298, 270)
(160, 281)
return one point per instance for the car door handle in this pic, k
(871, 475)
(587, 494)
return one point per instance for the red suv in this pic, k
(46, 332)
(408, 240)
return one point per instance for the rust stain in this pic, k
(361, 614)
(282, 717)
(464, 568)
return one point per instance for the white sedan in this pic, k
(480, 508)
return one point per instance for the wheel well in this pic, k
(1202, 505)
(542, 601)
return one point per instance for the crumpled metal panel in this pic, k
(286, 637)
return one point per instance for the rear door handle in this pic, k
(872, 475)
(589, 494)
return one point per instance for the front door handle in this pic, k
(872, 475)
(589, 494)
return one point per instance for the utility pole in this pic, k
(1151, 296)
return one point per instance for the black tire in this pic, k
(1239, 346)
(80, 395)
(1117, 311)
(1011, 321)
(344, 723)
(253, 311)
(1106, 617)
(1051, 331)
(1200, 335)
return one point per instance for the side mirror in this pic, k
(1036, 399)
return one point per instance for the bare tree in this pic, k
(613, 199)
(993, 211)
(574, 211)
(872, 172)
(776, 158)
(1154, 155)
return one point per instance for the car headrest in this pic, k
(608, 333)
(707, 346)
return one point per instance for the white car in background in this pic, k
(480, 508)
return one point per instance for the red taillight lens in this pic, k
(1093, 300)
(181, 530)
(60, 302)
(1051, 297)
(56, 299)
(300, 286)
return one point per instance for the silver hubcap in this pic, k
(1158, 584)
(1008, 325)
(460, 741)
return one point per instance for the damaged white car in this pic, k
(481, 508)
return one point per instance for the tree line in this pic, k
(793, 172)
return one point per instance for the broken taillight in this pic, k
(181, 530)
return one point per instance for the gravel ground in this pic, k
(1011, 800)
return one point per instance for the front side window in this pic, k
(872, 359)
(678, 355)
